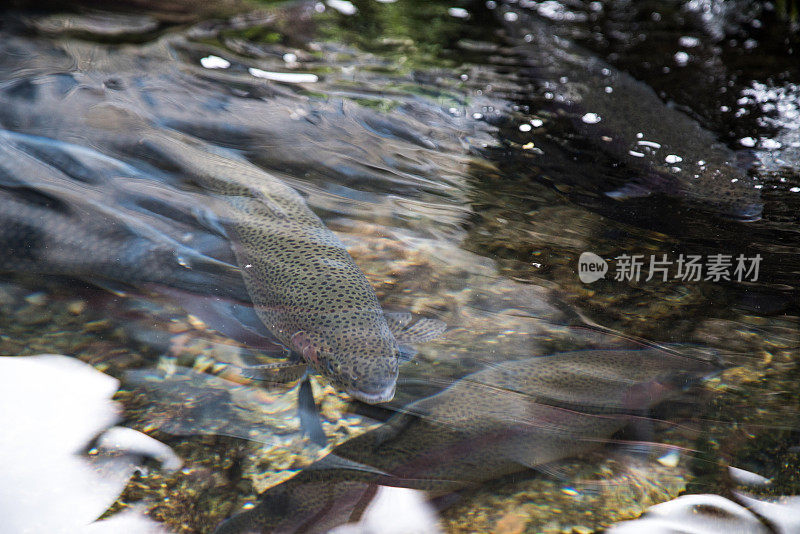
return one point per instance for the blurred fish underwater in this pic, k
(486, 425)
(330, 249)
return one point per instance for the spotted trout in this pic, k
(305, 286)
(489, 424)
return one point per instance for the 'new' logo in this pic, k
(591, 267)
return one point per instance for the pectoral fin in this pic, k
(333, 461)
(408, 328)
(552, 470)
(391, 429)
(630, 190)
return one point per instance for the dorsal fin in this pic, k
(409, 328)
(332, 461)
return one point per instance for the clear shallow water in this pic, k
(464, 193)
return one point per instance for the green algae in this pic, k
(413, 34)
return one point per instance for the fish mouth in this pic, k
(369, 397)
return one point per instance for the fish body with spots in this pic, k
(304, 285)
(491, 423)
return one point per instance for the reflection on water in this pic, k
(255, 219)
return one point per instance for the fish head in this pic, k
(360, 360)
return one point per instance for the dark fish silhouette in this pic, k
(670, 152)
(72, 211)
